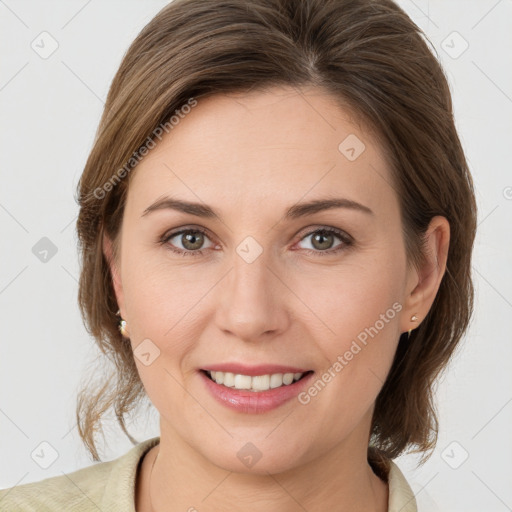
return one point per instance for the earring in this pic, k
(414, 318)
(122, 325)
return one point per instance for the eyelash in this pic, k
(346, 239)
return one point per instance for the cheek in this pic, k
(164, 320)
(357, 361)
(166, 304)
(348, 300)
(161, 294)
(356, 327)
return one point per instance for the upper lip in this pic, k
(260, 369)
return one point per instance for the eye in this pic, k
(323, 239)
(191, 241)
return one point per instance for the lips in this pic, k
(254, 389)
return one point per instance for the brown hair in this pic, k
(369, 56)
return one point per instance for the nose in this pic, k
(252, 301)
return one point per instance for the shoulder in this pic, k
(71, 491)
(401, 496)
(101, 486)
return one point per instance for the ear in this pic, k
(108, 252)
(423, 283)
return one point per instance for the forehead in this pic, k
(280, 145)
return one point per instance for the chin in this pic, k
(255, 458)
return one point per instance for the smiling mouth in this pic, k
(256, 383)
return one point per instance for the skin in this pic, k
(250, 157)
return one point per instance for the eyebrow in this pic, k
(294, 212)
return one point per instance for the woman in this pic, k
(276, 226)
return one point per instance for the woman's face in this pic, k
(257, 288)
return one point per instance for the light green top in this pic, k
(110, 487)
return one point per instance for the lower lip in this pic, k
(254, 401)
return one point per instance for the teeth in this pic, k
(243, 382)
(287, 378)
(261, 382)
(256, 383)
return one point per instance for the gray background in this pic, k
(50, 108)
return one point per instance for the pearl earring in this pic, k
(122, 325)
(414, 318)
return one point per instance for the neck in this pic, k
(182, 479)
